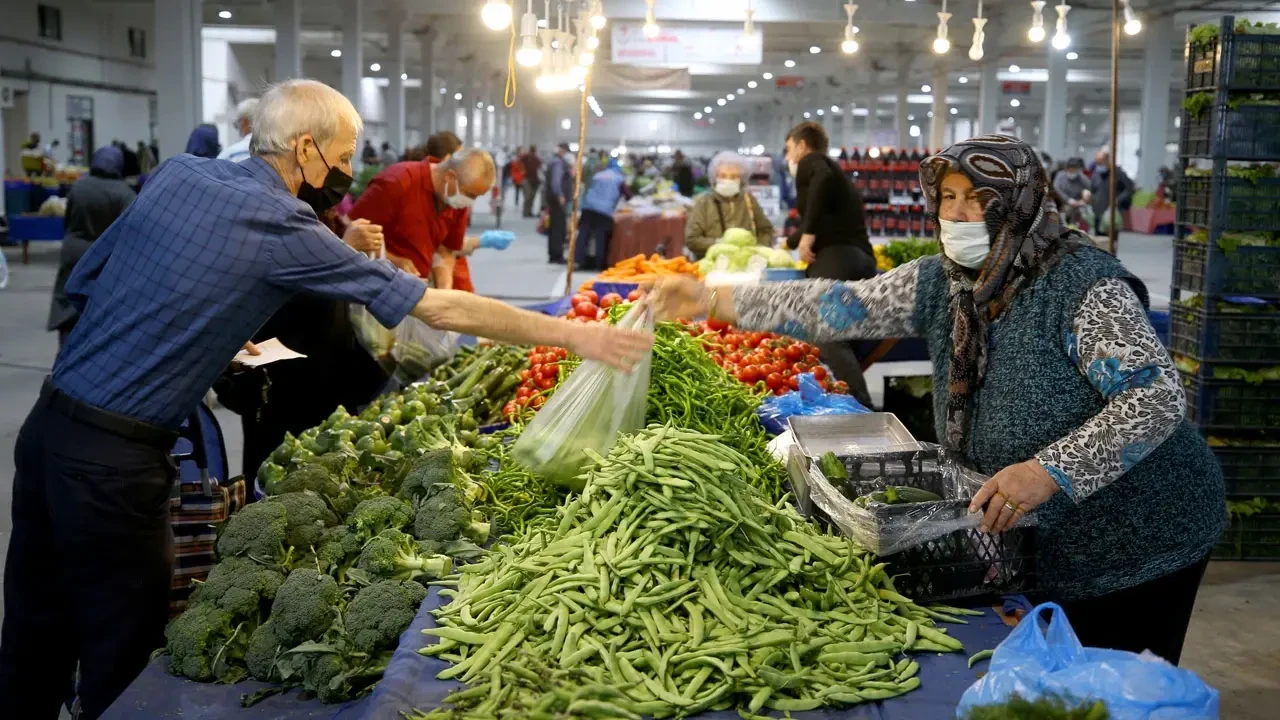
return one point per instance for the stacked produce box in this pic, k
(1225, 314)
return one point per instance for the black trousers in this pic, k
(556, 228)
(1152, 616)
(530, 192)
(844, 262)
(593, 226)
(87, 576)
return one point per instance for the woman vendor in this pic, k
(1048, 377)
(726, 205)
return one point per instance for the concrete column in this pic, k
(352, 49)
(467, 103)
(846, 124)
(1074, 118)
(989, 96)
(1053, 133)
(1155, 100)
(873, 110)
(288, 16)
(395, 76)
(900, 123)
(490, 118)
(179, 98)
(430, 88)
(938, 128)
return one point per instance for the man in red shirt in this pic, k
(423, 208)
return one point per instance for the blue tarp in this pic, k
(410, 682)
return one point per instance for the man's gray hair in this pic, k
(295, 108)
(727, 157)
(469, 164)
(247, 109)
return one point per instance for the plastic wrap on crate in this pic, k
(809, 400)
(886, 529)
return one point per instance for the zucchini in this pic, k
(898, 495)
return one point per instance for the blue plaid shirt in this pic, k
(181, 281)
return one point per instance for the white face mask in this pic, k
(457, 201)
(966, 243)
(728, 188)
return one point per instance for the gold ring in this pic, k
(1012, 508)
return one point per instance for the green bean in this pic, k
(980, 656)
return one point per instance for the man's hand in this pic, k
(618, 348)
(1011, 493)
(404, 264)
(806, 248)
(364, 236)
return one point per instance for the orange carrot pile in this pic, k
(641, 269)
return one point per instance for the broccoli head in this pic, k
(305, 606)
(306, 517)
(256, 531)
(326, 475)
(393, 555)
(377, 615)
(241, 587)
(379, 513)
(326, 676)
(434, 467)
(204, 644)
(444, 517)
(338, 549)
(260, 657)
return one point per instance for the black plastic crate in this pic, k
(1248, 132)
(1246, 270)
(1250, 471)
(1232, 404)
(965, 564)
(1251, 537)
(1235, 61)
(1224, 336)
(1230, 203)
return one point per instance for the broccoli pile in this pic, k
(316, 582)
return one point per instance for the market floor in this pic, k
(1234, 634)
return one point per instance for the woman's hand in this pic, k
(1013, 492)
(364, 236)
(679, 296)
(806, 248)
(603, 342)
(404, 264)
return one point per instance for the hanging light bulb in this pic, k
(596, 15)
(749, 25)
(1036, 33)
(1061, 40)
(979, 35)
(850, 44)
(941, 45)
(593, 42)
(651, 28)
(1132, 25)
(496, 14)
(529, 53)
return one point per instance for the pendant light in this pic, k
(1036, 33)
(529, 53)
(850, 44)
(941, 45)
(1061, 40)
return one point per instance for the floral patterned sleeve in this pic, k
(820, 311)
(1114, 346)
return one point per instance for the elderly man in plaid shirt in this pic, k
(169, 294)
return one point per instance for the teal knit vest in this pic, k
(1161, 516)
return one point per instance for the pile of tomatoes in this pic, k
(536, 382)
(767, 360)
(587, 306)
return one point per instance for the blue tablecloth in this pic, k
(410, 682)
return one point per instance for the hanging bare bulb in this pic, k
(496, 14)
(850, 44)
(941, 45)
(651, 28)
(1061, 40)
(1132, 25)
(979, 35)
(529, 53)
(596, 15)
(1036, 33)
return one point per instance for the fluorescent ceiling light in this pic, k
(375, 67)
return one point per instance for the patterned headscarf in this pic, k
(1027, 240)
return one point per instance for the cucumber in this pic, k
(898, 495)
(832, 467)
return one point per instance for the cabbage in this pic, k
(705, 266)
(779, 258)
(741, 257)
(739, 237)
(762, 250)
(719, 249)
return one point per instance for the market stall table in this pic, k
(411, 682)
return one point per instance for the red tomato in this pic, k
(774, 381)
(635, 295)
(799, 369)
(750, 374)
(819, 373)
(786, 372)
(523, 392)
(793, 382)
(731, 347)
(546, 382)
(537, 401)
(734, 357)
(560, 353)
(794, 352)
(610, 300)
(841, 387)
(716, 325)
(581, 297)
(591, 294)
(811, 359)
(524, 375)
(587, 309)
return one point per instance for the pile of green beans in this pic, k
(670, 586)
(688, 390)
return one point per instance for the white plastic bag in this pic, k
(594, 405)
(418, 348)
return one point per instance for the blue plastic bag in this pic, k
(1032, 662)
(810, 399)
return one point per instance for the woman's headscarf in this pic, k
(108, 162)
(1027, 240)
(203, 141)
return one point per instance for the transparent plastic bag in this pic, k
(886, 528)
(594, 405)
(419, 348)
(1033, 662)
(373, 335)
